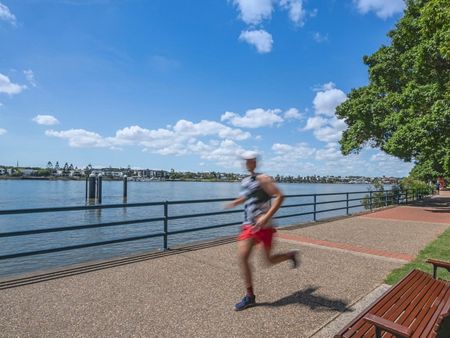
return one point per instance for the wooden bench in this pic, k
(415, 307)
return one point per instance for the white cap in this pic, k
(249, 155)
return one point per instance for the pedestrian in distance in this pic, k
(257, 191)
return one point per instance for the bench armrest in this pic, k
(386, 325)
(437, 263)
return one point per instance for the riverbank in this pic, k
(140, 179)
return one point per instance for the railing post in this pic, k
(315, 209)
(347, 205)
(99, 188)
(166, 223)
(406, 196)
(370, 200)
(385, 198)
(92, 184)
(125, 187)
(87, 180)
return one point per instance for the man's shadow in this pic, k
(315, 303)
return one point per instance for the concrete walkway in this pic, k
(191, 291)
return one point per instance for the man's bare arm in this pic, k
(235, 202)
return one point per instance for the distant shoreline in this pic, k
(65, 178)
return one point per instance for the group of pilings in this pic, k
(94, 188)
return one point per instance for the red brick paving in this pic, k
(345, 246)
(417, 214)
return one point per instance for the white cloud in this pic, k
(385, 164)
(329, 153)
(382, 8)
(315, 122)
(47, 120)
(259, 38)
(328, 134)
(296, 12)
(293, 113)
(30, 77)
(205, 128)
(226, 153)
(80, 138)
(254, 118)
(6, 15)
(337, 123)
(2, 131)
(181, 139)
(136, 134)
(320, 38)
(326, 101)
(325, 125)
(253, 12)
(290, 159)
(289, 153)
(7, 87)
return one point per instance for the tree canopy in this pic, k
(405, 108)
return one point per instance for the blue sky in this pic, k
(187, 85)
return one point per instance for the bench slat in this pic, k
(412, 311)
(346, 332)
(357, 325)
(418, 301)
(419, 325)
(413, 303)
(441, 311)
(403, 290)
(421, 331)
(416, 295)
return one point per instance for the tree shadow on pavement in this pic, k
(314, 302)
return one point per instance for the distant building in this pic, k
(27, 171)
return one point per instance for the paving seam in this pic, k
(395, 256)
(402, 220)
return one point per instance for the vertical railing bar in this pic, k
(370, 200)
(315, 207)
(166, 224)
(347, 205)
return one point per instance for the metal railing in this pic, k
(372, 200)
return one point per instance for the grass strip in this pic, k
(438, 249)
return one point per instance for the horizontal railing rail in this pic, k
(370, 200)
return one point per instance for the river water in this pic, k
(21, 194)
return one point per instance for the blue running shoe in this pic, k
(246, 302)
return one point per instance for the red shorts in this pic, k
(263, 235)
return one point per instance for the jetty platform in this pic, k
(191, 291)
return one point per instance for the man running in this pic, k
(257, 192)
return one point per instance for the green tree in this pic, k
(405, 108)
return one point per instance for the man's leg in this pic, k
(278, 258)
(244, 250)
